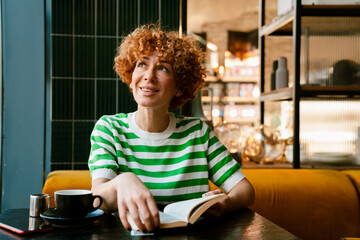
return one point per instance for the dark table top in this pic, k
(243, 224)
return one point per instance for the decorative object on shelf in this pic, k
(264, 145)
(273, 75)
(284, 157)
(233, 136)
(333, 158)
(284, 6)
(248, 67)
(234, 100)
(282, 74)
(346, 72)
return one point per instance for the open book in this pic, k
(179, 214)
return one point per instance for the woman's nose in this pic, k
(150, 74)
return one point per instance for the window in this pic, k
(84, 86)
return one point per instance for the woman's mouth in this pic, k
(148, 90)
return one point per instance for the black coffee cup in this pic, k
(75, 203)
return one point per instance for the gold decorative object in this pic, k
(233, 136)
(229, 135)
(287, 142)
(264, 145)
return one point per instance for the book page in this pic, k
(183, 209)
(166, 218)
(166, 221)
(198, 211)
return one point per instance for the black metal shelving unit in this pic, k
(289, 24)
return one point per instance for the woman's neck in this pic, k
(152, 120)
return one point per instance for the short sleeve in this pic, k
(224, 171)
(102, 160)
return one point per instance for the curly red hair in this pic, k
(184, 54)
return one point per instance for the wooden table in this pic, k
(244, 224)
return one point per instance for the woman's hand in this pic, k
(134, 197)
(210, 193)
(217, 209)
(240, 196)
(127, 193)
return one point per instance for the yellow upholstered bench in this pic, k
(73, 179)
(66, 179)
(310, 203)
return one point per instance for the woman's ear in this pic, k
(130, 86)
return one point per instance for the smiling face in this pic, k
(153, 82)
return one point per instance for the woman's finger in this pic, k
(210, 193)
(123, 216)
(146, 216)
(137, 218)
(154, 211)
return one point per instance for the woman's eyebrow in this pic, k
(161, 60)
(164, 61)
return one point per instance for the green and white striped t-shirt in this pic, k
(174, 165)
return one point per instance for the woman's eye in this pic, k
(162, 68)
(141, 64)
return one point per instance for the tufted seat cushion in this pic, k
(66, 179)
(310, 203)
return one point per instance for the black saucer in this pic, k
(52, 216)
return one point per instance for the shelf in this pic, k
(240, 99)
(230, 99)
(232, 79)
(311, 165)
(250, 164)
(312, 92)
(241, 79)
(339, 167)
(331, 10)
(282, 25)
(309, 23)
(277, 95)
(211, 79)
(333, 91)
(242, 120)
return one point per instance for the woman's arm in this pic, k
(240, 196)
(127, 193)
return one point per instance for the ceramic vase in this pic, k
(273, 75)
(282, 74)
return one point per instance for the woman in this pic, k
(152, 156)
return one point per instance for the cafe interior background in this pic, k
(57, 80)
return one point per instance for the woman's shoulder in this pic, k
(120, 118)
(189, 121)
(181, 118)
